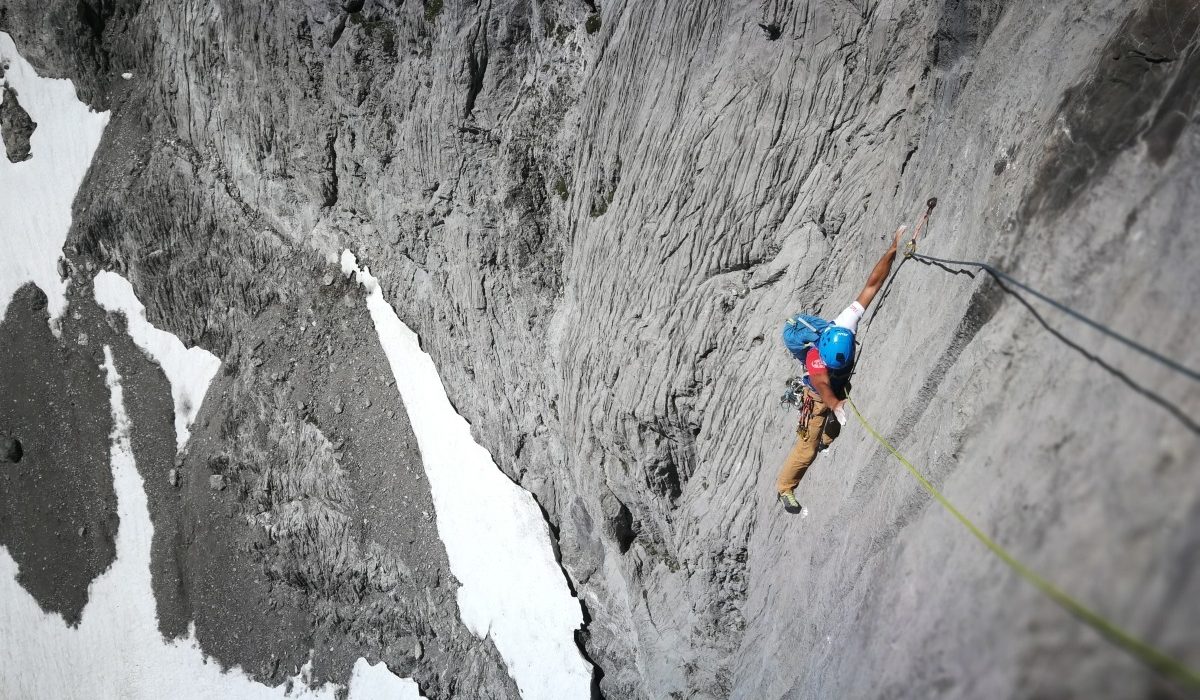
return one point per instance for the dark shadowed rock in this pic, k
(56, 477)
(11, 450)
(16, 127)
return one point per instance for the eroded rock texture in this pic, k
(15, 126)
(597, 215)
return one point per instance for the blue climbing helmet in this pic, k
(836, 347)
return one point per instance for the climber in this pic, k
(827, 350)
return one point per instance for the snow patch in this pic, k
(190, 370)
(496, 539)
(117, 651)
(376, 681)
(36, 194)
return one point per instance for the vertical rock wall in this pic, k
(596, 216)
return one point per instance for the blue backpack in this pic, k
(801, 332)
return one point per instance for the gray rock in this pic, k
(16, 128)
(597, 231)
(11, 450)
(56, 420)
(216, 482)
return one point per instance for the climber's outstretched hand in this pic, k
(880, 272)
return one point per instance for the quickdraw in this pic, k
(910, 249)
(792, 394)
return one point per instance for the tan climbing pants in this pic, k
(817, 433)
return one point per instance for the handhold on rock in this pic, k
(11, 450)
(173, 477)
(932, 202)
(773, 31)
(216, 482)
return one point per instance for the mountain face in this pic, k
(597, 215)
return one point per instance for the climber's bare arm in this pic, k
(880, 272)
(824, 390)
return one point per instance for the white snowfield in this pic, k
(117, 651)
(376, 682)
(190, 370)
(496, 539)
(36, 194)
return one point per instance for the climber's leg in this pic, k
(808, 437)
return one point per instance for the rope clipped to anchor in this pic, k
(911, 252)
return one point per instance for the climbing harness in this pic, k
(792, 393)
(1152, 657)
(1158, 357)
(795, 397)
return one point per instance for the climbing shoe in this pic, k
(790, 504)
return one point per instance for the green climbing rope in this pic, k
(1167, 665)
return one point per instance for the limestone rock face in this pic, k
(15, 126)
(597, 216)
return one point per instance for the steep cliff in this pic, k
(596, 216)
